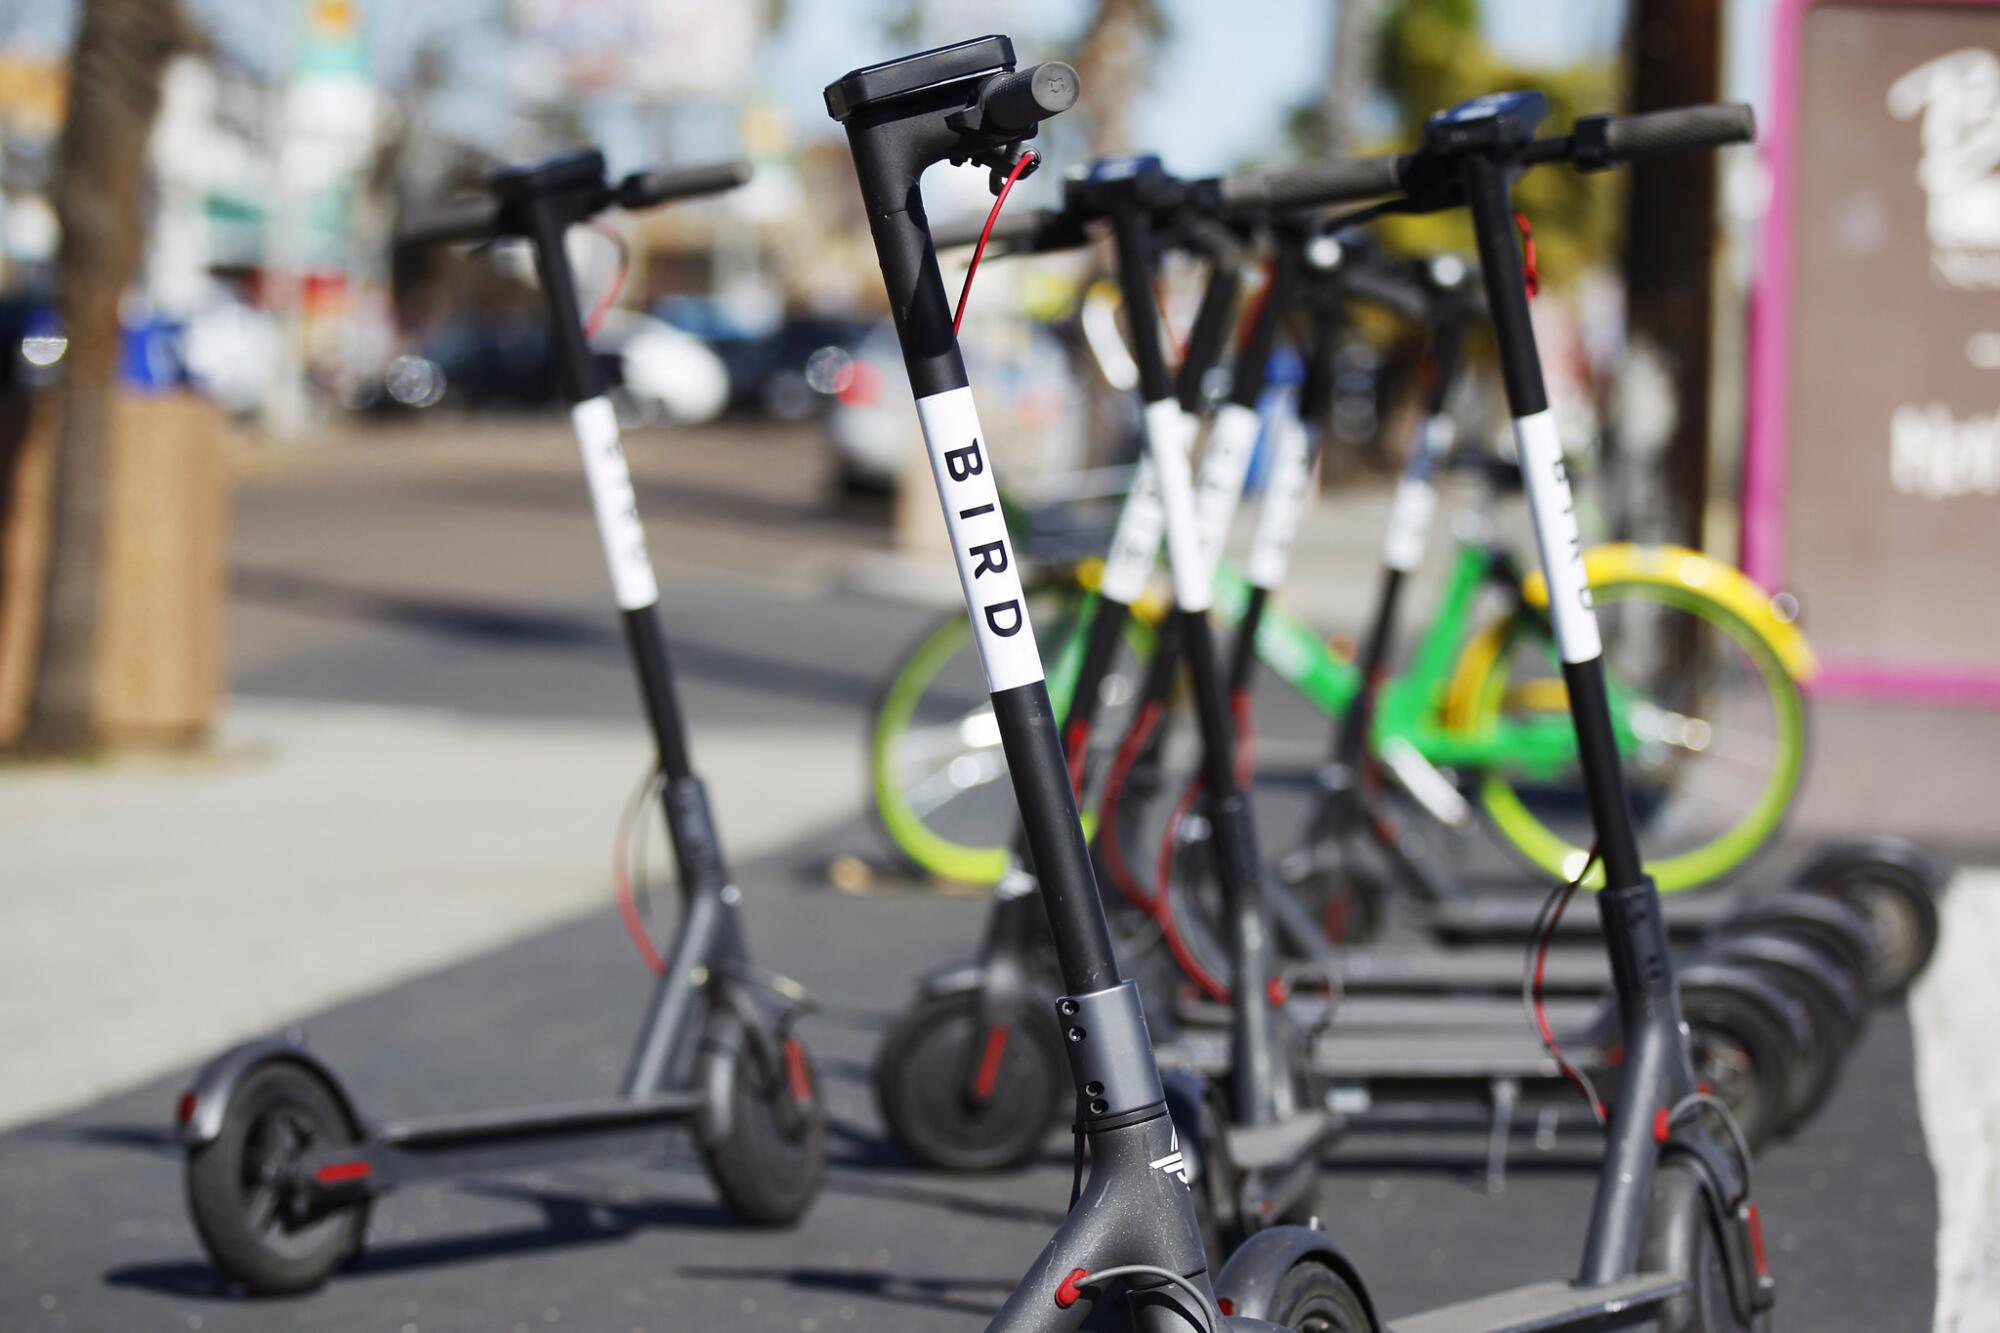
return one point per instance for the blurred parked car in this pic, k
(767, 368)
(658, 373)
(1029, 399)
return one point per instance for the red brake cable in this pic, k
(1028, 159)
(1531, 270)
(1538, 956)
(617, 284)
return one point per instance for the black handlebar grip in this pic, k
(475, 218)
(1391, 291)
(649, 189)
(1016, 103)
(1022, 229)
(1330, 181)
(1711, 126)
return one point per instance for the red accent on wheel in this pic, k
(1163, 909)
(184, 1108)
(1068, 1294)
(1662, 1125)
(988, 1076)
(1755, 1220)
(798, 1072)
(1227, 1306)
(336, 1173)
(1129, 749)
(1246, 737)
(1274, 991)
(1076, 744)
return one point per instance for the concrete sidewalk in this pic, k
(155, 911)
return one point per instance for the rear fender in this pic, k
(202, 1107)
(1250, 1279)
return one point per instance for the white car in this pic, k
(668, 375)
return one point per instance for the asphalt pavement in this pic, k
(463, 580)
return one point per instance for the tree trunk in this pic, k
(1112, 63)
(1674, 60)
(121, 53)
(1351, 73)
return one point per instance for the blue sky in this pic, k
(1225, 81)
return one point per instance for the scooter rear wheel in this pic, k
(250, 1219)
(1743, 1055)
(1832, 1003)
(1313, 1297)
(1902, 914)
(770, 1165)
(1681, 1238)
(938, 1059)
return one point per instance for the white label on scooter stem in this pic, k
(611, 495)
(1440, 433)
(1135, 544)
(1409, 523)
(987, 570)
(1287, 486)
(1167, 439)
(1553, 509)
(1218, 485)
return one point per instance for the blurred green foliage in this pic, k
(1432, 55)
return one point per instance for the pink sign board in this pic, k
(1872, 467)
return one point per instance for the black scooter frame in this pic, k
(704, 1016)
(961, 103)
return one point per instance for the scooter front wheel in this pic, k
(1313, 1297)
(242, 1190)
(770, 1163)
(1681, 1239)
(965, 1089)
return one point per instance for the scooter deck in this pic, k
(552, 1120)
(1263, 1147)
(1440, 1054)
(1490, 916)
(1552, 1305)
(1495, 970)
(1417, 1014)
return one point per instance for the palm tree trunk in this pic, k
(121, 53)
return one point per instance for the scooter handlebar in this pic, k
(1330, 180)
(1027, 229)
(649, 189)
(1712, 126)
(1017, 102)
(474, 218)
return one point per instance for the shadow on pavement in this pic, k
(570, 1221)
(934, 1293)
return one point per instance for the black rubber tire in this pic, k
(1901, 911)
(1815, 982)
(281, 1110)
(1760, 1055)
(1681, 1239)
(1834, 928)
(919, 1090)
(1344, 898)
(770, 1166)
(1314, 1297)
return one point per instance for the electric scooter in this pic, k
(283, 1167)
(1133, 1225)
(1397, 1060)
(1673, 1203)
(1754, 1026)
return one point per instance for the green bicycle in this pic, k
(1705, 688)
